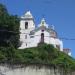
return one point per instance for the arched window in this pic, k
(42, 37)
(26, 25)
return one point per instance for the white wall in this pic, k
(29, 70)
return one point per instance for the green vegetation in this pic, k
(9, 24)
(43, 54)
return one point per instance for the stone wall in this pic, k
(30, 70)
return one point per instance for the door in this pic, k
(42, 37)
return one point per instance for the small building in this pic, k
(30, 35)
(67, 51)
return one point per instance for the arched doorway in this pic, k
(42, 37)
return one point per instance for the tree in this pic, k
(9, 28)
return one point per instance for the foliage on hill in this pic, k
(8, 25)
(43, 54)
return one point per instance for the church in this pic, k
(31, 36)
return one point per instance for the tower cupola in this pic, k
(27, 21)
(43, 23)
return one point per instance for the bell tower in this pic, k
(27, 22)
(26, 25)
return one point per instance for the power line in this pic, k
(67, 38)
(63, 38)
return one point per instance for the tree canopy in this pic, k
(9, 28)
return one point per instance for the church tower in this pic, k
(26, 25)
(27, 22)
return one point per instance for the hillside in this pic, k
(43, 54)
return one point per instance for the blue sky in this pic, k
(60, 13)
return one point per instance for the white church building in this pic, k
(31, 36)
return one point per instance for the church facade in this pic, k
(31, 36)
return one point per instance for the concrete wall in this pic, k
(30, 70)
